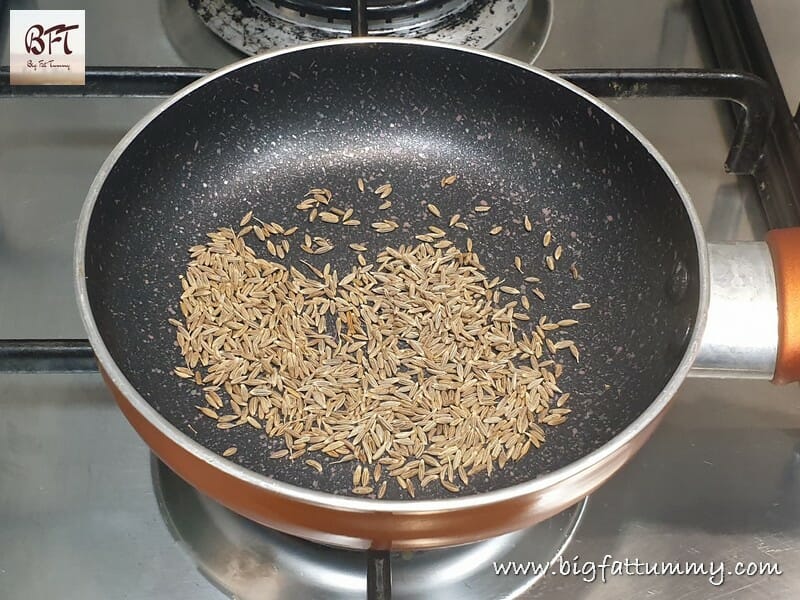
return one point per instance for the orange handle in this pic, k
(784, 245)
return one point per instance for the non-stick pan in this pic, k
(258, 134)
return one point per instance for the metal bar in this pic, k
(358, 19)
(751, 93)
(738, 43)
(111, 82)
(51, 356)
(379, 575)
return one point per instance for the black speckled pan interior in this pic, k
(258, 137)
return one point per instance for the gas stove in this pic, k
(86, 512)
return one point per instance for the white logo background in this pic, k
(47, 47)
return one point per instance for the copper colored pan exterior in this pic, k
(377, 530)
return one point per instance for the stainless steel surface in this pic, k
(514, 27)
(252, 563)
(195, 43)
(78, 515)
(741, 335)
(774, 17)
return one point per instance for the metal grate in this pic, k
(738, 43)
(751, 94)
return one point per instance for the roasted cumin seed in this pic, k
(316, 465)
(323, 332)
(211, 414)
(246, 219)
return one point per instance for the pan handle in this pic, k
(741, 335)
(753, 322)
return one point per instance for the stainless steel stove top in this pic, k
(80, 517)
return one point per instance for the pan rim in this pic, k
(349, 503)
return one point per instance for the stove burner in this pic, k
(340, 9)
(248, 561)
(517, 28)
(398, 17)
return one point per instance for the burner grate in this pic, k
(738, 43)
(747, 91)
(251, 562)
(386, 10)
(256, 26)
(381, 16)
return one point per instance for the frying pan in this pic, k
(258, 134)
